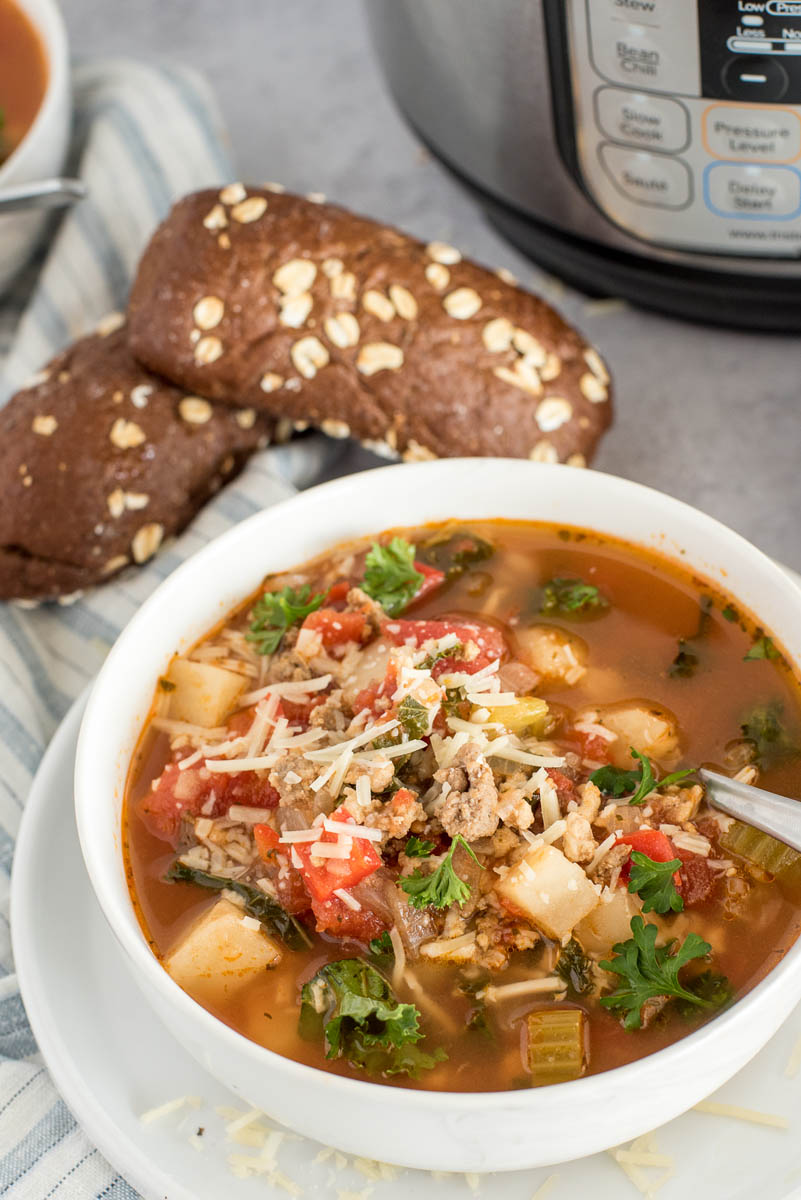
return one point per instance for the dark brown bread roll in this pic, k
(303, 310)
(100, 461)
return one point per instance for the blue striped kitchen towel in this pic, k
(144, 134)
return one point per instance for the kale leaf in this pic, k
(257, 903)
(575, 968)
(569, 596)
(353, 1009)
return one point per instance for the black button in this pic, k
(762, 80)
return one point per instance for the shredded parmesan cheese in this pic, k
(742, 1114)
(290, 688)
(794, 1061)
(171, 1106)
(350, 901)
(509, 991)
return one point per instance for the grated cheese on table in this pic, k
(794, 1061)
(545, 1188)
(171, 1106)
(752, 1115)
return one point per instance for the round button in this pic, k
(748, 77)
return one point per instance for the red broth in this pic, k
(23, 76)
(647, 638)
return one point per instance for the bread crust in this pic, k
(100, 461)
(306, 311)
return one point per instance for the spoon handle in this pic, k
(45, 193)
(779, 816)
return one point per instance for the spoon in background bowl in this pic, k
(45, 193)
(776, 815)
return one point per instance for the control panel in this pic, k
(688, 119)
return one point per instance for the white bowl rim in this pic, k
(52, 32)
(131, 938)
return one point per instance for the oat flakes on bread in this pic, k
(306, 311)
(100, 461)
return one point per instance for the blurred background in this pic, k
(709, 415)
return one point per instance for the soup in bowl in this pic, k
(416, 817)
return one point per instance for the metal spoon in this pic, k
(777, 815)
(45, 193)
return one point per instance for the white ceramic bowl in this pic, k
(41, 153)
(464, 1131)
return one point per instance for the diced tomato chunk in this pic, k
(565, 787)
(241, 721)
(338, 593)
(368, 697)
(589, 745)
(336, 628)
(266, 841)
(432, 579)
(194, 791)
(336, 917)
(175, 794)
(246, 788)
(697, 880)
(335, 873)
(650, 842)
(490, 642)
(299, 713)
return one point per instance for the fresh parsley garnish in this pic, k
(618, 782)
(763, 647)
(566, 596)
(647, 971)
(729, 613)
(381, 948)
(575, 968)
(413, 716)
(418, 847)
(442, 887)
(615, 781)
(685, 663)
(648, 783)
(276, 612)
(653, 883)
(390, 576)
(353, 1009)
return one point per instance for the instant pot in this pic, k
(641, 148)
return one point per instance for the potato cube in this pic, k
(220, 953)
(204, 694)
(609, 923)
(553, 653)
(648, 727)
(549, 890)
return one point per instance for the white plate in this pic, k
(112, 1060)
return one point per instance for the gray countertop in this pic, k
(708, 415)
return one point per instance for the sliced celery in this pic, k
(528, 715)
(556, 1045)
(760, 849)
